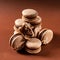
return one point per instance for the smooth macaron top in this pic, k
(19, 22)
(34, 43)
(29, 13)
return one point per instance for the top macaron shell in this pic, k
(29, 13)
(34, 43)
(19, 22)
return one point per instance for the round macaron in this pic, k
(17, 42)
(34, 21)
(33, 43)
(46, 36)
(19, 22)
(29, 13)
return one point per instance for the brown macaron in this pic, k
(19, 22)
(33, 46)
(45, 35)
(33, 21)
(29, 13)
(17, 42)
(33, 43)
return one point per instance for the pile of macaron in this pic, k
(29, 34)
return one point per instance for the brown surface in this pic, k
(50, 13)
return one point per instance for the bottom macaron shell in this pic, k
(33, 51)
(47, 36)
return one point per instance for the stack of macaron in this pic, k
(28, 33)
(31, 16)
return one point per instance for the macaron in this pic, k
(33, 43)
(17, 42)
(19, 22)
(33, 51)
(46, 35)
(34, 21)
(29, 13)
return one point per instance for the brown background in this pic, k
(10, 10)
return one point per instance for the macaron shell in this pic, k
(19, 22)
(29, 13)
(33, 51)
(34, 43)
(47, 36)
